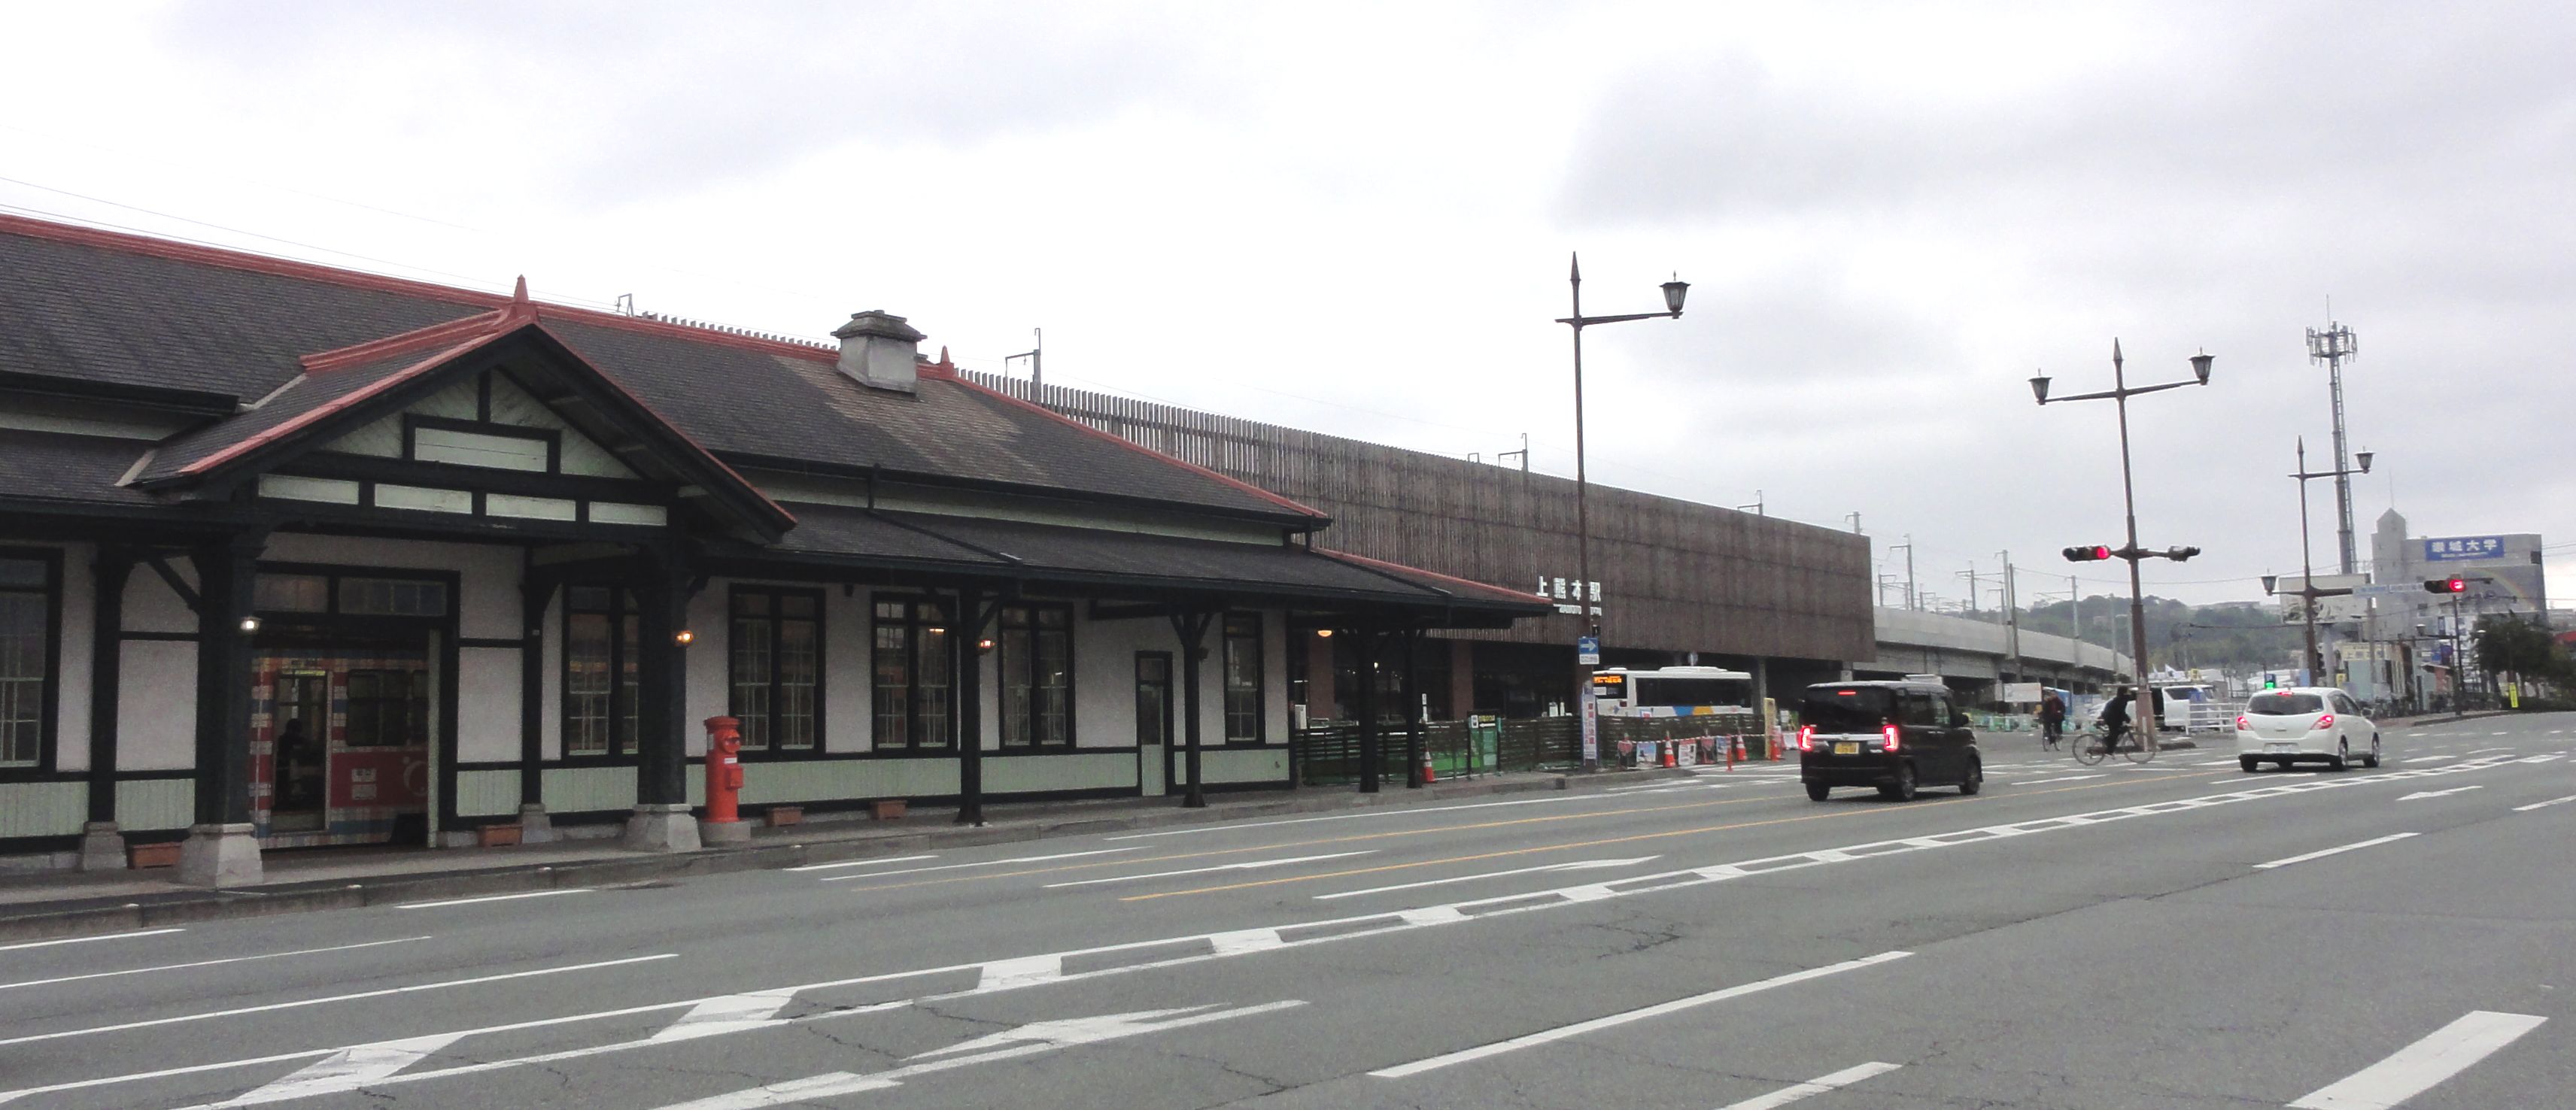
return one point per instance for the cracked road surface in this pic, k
(2178, 934)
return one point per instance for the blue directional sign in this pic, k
(2457, 548)
(1587, 651)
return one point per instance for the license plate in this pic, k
(2280, 747)
(1847, 747)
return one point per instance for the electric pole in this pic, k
(2331, 347)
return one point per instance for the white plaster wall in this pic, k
(487, 705)
(156, 706)
(488, 586)
(150, 606)
(71, 680)
(705, 660)
(847, 637)
(1104, 676)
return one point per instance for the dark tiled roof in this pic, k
(142, 313)
(48, 466)
(303, 395)
(1041, 551)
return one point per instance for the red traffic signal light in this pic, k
(2089, 554)
(2445, 585)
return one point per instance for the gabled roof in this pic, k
(107, 310)
(341, 389)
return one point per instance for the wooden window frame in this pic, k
(770, 748)
(49, 685)
(1260, 678)
(913, 624)
(623, 615)
(1028, 618)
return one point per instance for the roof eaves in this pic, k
(1480, 591)
(301, 421)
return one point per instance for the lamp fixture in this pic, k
(683, 637)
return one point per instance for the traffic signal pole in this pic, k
(2142, 706)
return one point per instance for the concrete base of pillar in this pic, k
(219, 856)
(724, 832)
(534, 826)
(102, 847)
(662, 828)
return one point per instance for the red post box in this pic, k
(724, 770)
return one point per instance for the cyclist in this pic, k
(2052, 718)
(2115, 720)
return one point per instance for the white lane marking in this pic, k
(2409, 1071)
(348, 1069)
(2483, 751)
(1026, 971)
(1409, 811)
(240, 1010)
(1247, 865)
(1576, 865)
(2546, 804)
(2438, 793)
(205, 963)
(1816, 1086)
(86, 940)
(1027, 1040)
(731, 1013)
(2069, 778)
(981, 863)
(1659, 1009)
(2545, 758)
(490, 898)
(858, 863)
(1225, 945)
(2332, 851)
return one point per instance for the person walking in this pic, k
(2052, 718)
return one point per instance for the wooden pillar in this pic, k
(1366, 640)
(969, 699)
(662, 821)
(1191, 627)
(1413, 755)
(102, 845)
(220, 850)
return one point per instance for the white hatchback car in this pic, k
(2305, 723)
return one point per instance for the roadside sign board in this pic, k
(1587, 651)
(2460, 548)
(2387, 589)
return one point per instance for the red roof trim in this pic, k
(949, 373)
(1399, 568)
(378, 350)
(307, 419)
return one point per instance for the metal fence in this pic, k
(1328, 753)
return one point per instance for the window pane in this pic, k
(751, 673)
(755, 604)
(291, 593)
(1054, 685)
(629, 691)
(396, 597)
(24, 572)
(892, 663)
(22, 678)
(930, 724)
(799, 670)
(585, 685)
(1243, 679)
(796, 605)
(1013, 663)
(591, 598)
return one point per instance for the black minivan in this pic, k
(1895, 736)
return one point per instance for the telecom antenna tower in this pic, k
(2331, 347)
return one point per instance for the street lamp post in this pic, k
(2143, 707)
(1674, 291)
(2308, 592)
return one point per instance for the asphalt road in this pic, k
(2178, 934)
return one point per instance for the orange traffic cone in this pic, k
(1429, 776)
(1737, 752)
(1667, 748)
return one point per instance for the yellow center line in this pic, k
(1348, 872)
(1354, 838)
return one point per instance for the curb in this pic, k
(72, 918)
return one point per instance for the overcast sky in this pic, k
(1357, 219)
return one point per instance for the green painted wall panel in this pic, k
(43, 808)
(1243, 765)
(487, 793)
(144, 805)
(583, 789)
(1014, 774)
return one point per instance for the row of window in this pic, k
(774, 673)
(26, 631)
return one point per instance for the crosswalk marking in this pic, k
(347, 1069)
(2411, 1070)
(1816, 1086)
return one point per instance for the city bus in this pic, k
(1671, 692)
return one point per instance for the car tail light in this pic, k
(1806, 738)
(2240, 723)
(1887, 736)
(2324, 721)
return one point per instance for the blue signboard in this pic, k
(2456, 548)
(1587, 651)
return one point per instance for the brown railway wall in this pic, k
(1675, 575)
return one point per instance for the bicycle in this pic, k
(2096, 744)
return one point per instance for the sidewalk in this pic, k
(74, 903)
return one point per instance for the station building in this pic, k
(296, 556)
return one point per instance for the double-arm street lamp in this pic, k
(2308, 591)
(2119, 393)
(1584, 599)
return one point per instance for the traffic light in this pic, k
(2445, 585)
(2271, 681)
(2178, 554)
(2093, 553)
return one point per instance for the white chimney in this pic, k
(879, 350)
